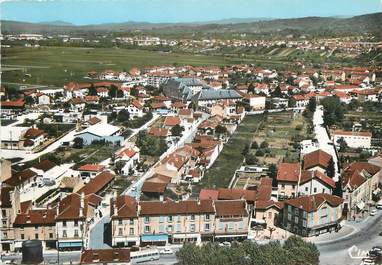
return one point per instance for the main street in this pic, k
(362, 239)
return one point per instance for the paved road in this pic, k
(364, 238)
(323, 138)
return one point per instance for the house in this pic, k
(21, 138)
(98, 184)
(130, 159)
(171, 121)
(89, 171)
(101, 132)
(353, 139)
(12, 106)
(359, 181)
(73, 215)
(288, 175)
(124, 221)
(36, 224)
(319, 160)
(313, 215)
(231, 220)
(10, 205)
(175, 221)
(301, 101)
(135, 109)
(313, 182)
(43, 99)
(209, 97)
(155, 189)
(105, 256)
(255, 102)
(183, 88)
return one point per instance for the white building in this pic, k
(353, 139)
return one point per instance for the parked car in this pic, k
(166, 251)
(225, 244)
(373, 212)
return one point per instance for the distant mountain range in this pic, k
(358, 24)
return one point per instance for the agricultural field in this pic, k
(221, 172)
(280, 131)
(59, 65)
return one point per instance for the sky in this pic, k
(82, 12)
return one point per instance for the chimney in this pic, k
(82, 204)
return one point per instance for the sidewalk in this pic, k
(344, 232)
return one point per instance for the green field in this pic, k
(220, 174)
(58, 65)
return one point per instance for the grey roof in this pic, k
(180, 88)
(213, 94)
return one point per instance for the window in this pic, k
(131, 221)
(147, 219)
(64, 223)
(293, 186)
(131, 231)
(4, 222)
(304, 223)
(306, 189)
(296, 211)
(120, 231)
(35, 227)
(289, 217)
(147, 229)
(64, 233)
(75, 233)
(269, 215)
(282, 186)
(192, 228)
(50, 235)
(169, 218)
(161, 219)
(120, 221)
(75, 223)
(192, 217)
(207, 227)
(22, 236)
(4, 213)
(35, 236)
(207, 217)
(169, 228)
(315, 190)
(5, 234)
(304, 214)
(296, 219)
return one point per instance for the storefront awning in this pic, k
(185, 236)
(69, 244)
(361, 205)
(154, 238)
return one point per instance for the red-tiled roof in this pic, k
(317, 158)
(105, 256)
(310, 175)
(171, 121)
(36, 217)
(231, 208)
(91, 167)
(154, 187)
(288, 172)
(98, 183)
(126, 207)
(179, 207)
(313, 202)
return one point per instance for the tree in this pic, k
(245, 150)
(291, 102)
(78, 142)
(343, 145)
(330, 170)
(312, 104)
(119, 165)
(177, 130)
(254, 145)
(92, 90)
(113, 92)
(220, 129)
(264, 144)
(277, 92)
(333, 110)
(251, 88)
(250, 159)
(134, 92)
(259, 152)
(123, 116)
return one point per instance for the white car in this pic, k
(373, 212)
(225, 244)
(166, 251)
